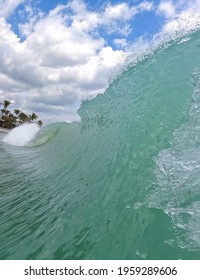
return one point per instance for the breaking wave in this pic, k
(121, 184)
(22, 135)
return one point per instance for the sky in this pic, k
(56, 53)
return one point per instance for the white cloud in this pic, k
(61, 46)
(56, 67)
(117, 12)
(34, 15)
(121, 42)
(63, 59)
(166, 8)
(7, 7)
(114, 18)
(145, 6)
(117, 17)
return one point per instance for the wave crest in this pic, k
(22, 135)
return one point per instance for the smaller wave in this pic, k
(22, 135)
(45, 134)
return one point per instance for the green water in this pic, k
(124, 182)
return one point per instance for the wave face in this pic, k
(121, 184)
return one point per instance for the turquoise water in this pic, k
(124, 182)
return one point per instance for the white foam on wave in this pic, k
(22, 135)
(177, 172)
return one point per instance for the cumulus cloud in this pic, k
(114, 18)
(121, 42)
(63, 58)
(33, 14)
(58, 65)
(7, 7)
(167, 9)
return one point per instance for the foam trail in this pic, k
(22, 135)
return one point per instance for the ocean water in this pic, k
(124, 183)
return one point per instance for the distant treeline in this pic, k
(10, 119)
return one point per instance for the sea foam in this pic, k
(22, 135)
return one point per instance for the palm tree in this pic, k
(6, 103)
(17, 117)
(17, 111)
(33, 116)
(23, 117)
(5, 112)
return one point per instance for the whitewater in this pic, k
(121, 184)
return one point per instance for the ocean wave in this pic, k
(120, 184)
(21, 135)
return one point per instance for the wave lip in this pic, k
(21, 135)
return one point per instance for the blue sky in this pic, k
(145, 23)
(56, 53)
